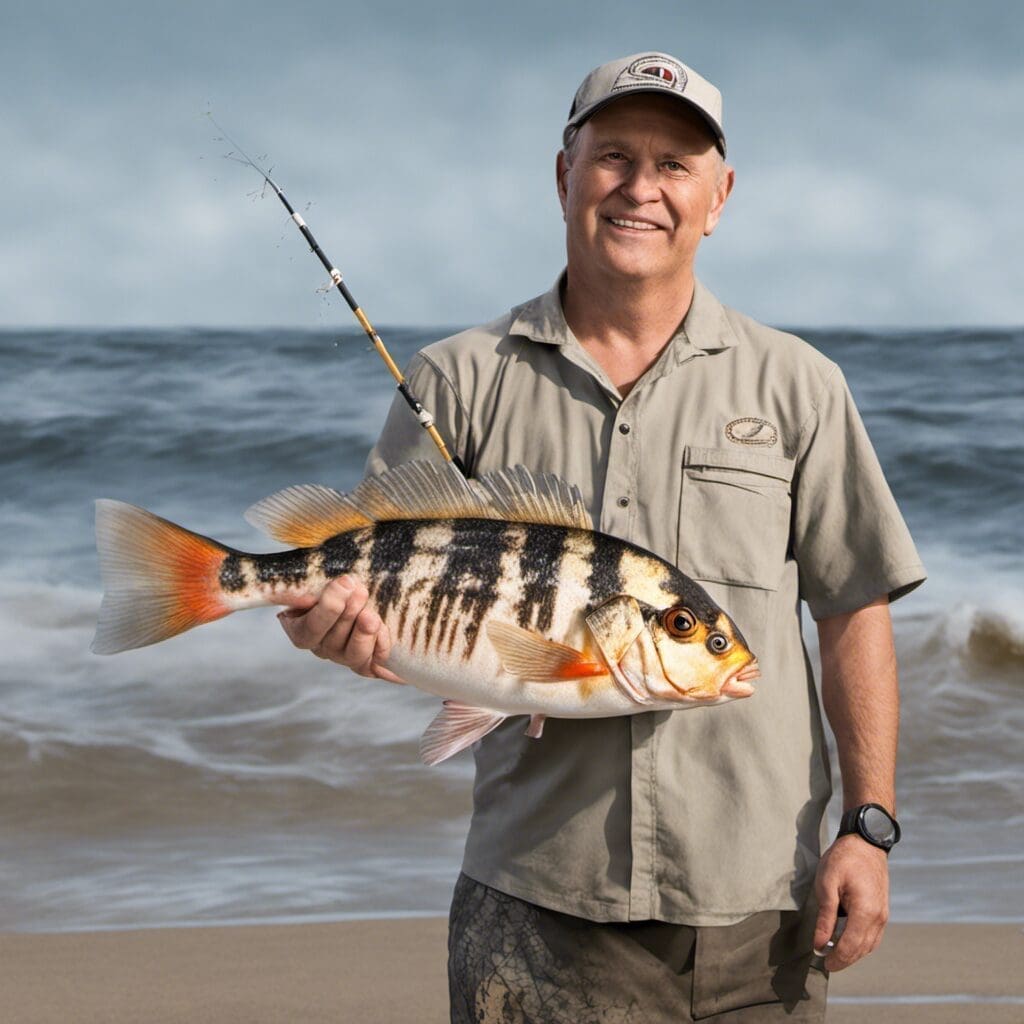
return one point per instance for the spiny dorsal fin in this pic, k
(421, 490)
(525, 497)
(307, 515)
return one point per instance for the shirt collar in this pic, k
(704, 327)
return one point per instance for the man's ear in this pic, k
(561, 172)
(722, 191)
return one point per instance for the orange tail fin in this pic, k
(159, 579)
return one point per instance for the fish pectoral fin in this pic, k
(533, 657)
(536, 727)
(456, 727)
(306, 515)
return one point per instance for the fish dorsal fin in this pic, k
(307, 515)
(437, 490)
(421, 490)
(524, 497)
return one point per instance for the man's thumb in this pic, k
(828, 913)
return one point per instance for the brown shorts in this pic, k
(512, 962)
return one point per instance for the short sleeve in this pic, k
(403, 439)
(850, 542)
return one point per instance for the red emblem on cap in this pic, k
(659, 71)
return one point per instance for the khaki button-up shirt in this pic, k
(739, 456)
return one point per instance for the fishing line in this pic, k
(426, 420)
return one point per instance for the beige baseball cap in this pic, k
(646, 72)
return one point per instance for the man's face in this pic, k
(644, 185)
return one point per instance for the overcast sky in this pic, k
(879, 149)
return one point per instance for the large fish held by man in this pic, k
(499, 595)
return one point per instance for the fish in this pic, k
(499, 595)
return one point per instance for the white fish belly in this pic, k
(492, 687)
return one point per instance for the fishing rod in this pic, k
(426, 420)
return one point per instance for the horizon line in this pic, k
(455, 327)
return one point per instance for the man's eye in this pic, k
(673, 166)
(615, 155)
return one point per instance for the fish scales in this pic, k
(446, 593)
(540, 564)
(391, 549)
(340, 555)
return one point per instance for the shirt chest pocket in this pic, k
(734, 513)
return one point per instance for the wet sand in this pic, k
(383, 972)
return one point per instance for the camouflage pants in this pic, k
(511, 962)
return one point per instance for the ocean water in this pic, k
(223, 776)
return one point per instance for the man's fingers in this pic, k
(863, 935)
(380, 657)
(339, 627)
(341, 600)
(352, 638)
(299, 605)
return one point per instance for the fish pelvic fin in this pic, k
(456, 727)
(533, 657)
(306, 516)
(159, 579)
(536, 727)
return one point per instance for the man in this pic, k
(666, 866)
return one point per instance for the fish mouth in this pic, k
(739, 684)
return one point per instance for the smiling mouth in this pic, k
(635, 225)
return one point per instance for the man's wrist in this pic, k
(871, 823)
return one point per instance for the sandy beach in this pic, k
(394, 971)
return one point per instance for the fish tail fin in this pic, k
(159, 579)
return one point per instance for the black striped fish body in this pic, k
(498, 595)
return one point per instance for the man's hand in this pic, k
(861, 697)
(855, 874)
(339, 627)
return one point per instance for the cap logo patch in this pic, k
(751, 430)
(653, 70)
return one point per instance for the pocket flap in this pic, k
(776, 466)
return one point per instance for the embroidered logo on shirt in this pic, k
(751, 430)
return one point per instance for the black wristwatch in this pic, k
(873, 823)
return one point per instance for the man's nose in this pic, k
(642, 184)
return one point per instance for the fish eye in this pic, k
(718, 643)
(679, 622)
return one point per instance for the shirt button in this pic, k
(623, 502)
(623, 428)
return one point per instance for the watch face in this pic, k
(878, 825)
